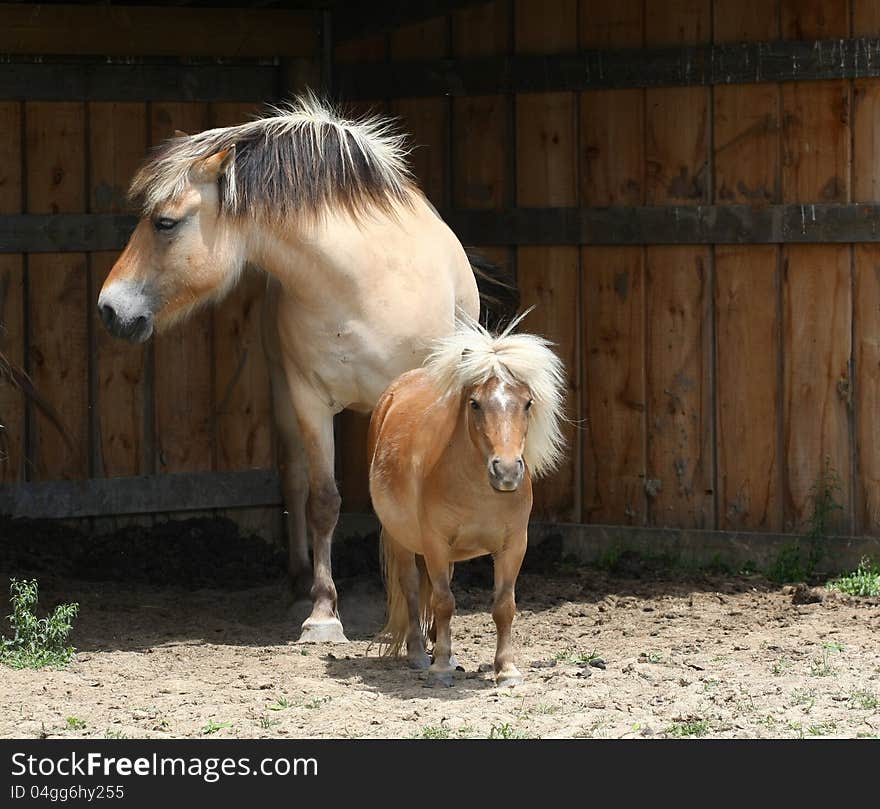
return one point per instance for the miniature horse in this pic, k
(453, 447)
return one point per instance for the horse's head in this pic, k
(498, 421)
(181, 253)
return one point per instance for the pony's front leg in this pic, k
(322, 512)
(507, 564)
(442, 606)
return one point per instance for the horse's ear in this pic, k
(210, 168)
(179, 133)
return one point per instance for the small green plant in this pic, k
(506, 731)
(213, 727)
(804, 698)
(788, 566)
(266, 723)
(317, 702)
(280, 704)
(824, 494)
(36, 642)
(822, 728)
(434, 732)
(864, 700)
(821, 667)
(780, 666)
(832, 646)
(114, 734)
(864, 581)
(689, 727)
(74, 723)
(651, 657)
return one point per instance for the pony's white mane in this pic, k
(302, 157)
(472, 355)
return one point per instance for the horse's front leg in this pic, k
(507, 564)
(322, 512)
(442, 606)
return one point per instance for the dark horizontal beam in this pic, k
(683, 224)
(79, 81)
(61, 499)
(745, 63)
(64, 233)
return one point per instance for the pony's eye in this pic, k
(475, 405)
(164, 223)
(529, 404)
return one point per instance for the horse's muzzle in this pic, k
(506, 475)
(134, 329)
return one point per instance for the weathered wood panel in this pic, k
(545, 150)
(118, 144)
(866, 140)
(817, 391)
(611, 25)
(679, 385)
(58, 334)
(814, 19)
(184, 382)
(866, 404)
(613, 328)
(548, 280)
(132, 30)
(12, 427)
(748, 391)
(744, 20)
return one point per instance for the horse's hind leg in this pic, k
(507, 565)
(409, 576)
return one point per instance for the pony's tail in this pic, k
(499, 297)
(392, 638)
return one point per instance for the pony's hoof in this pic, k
(328, 630)
(418, 661)
(509, 680)
(440, 679)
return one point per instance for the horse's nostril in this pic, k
(519, 463)
(496, 462)
(108, 314)
(140, 323)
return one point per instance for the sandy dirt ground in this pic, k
(678, 656)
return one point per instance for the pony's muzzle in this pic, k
(506, 474)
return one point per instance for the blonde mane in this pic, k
(472, 355)
(302, 158)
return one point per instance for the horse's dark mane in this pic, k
(303, 159)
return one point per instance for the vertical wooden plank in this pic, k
(747, 388)
(11, 302)
(612, 147)
(545, 150)
(746, 135)
(366, 49)
(482, 29)
(816, 142)
(184, 376)
(816, 343)
(612, 25)
(866, 330)
(676, 148)
(425, 120)
(744, 21)
(677, 22)
(680, 452)
(614, 385)
(118, 144)
(865, 18)
(546, 27)
(866, 140)
(58, 334)
(814, 19)
(548, 280)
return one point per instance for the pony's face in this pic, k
(181, 255)
(498, 420)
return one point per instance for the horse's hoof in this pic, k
(418, 661)
(508, 680)
(328, 630)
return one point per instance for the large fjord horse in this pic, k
(363, 274)
(453, 448)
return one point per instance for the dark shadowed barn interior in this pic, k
(686, 189)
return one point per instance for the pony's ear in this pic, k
(179, 133)
(210, 168)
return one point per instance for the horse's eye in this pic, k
(529, 404)
(164, 223)
(475, 405)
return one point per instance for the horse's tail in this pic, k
(392, 638)
(499, 297)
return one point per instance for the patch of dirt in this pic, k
(189, 632)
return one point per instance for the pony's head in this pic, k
(201, 195)
(512, 388)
